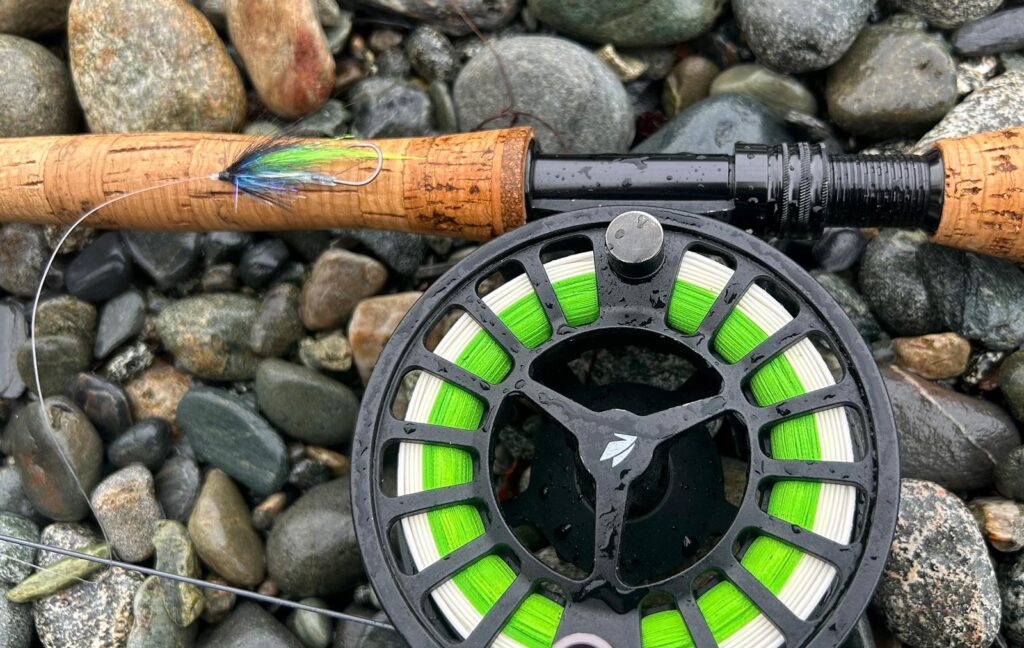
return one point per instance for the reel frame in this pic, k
(627, 304)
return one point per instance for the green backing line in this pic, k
(771, 561)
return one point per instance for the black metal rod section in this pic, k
(787, 189)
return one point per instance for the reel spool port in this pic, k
(738, 489)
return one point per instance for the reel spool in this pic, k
(746, 496)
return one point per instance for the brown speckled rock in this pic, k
(152, 66)
(285, 53)
(223, 534)
(157, 392)
(126, 508)
(209, 335)
(372, 325)
(1001, 522)
(338, 281)
(936, 357)
(939, 587)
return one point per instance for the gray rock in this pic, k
(277, 325)
(312, 549)
(261, 262)
(1011, 381)
(13, 332)
(313, 630)
(852, 304)
(947, 437)
(22, 255)
(25, 19)
(892, 82)
(779, 91)
(15, 622)
(177, 486)
(59, 357)
(96, 614)
(431, 54)
(572, 99)
(384, 107)
(327, 121)
(801, 35)
(12, 495)
(630, 22)
(715, 125)
(167, 257)
(351, 634)
(65, 315)
(171, 72)
(38, 98)
(403, 252)
(42, 454)
(126, 508)
(227, 433)
(839, 249)
(249, 626)
(997, 105)
(153, 627)
(121, 319)
(328, 414)
(101, 270)
(947, 14)
(104, 403)
(394, 64)
(1001, 32)
(16, 560)
(219, 247)
(209, 335)
(487, 15)
(147, 442)
(444, 107)
(892, 283)
(1009, 474)
(1011, 590)
(338, 281)
(938, 588)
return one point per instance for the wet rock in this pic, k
(945, 436)
(167, 257)
(687, 83)
(401, 251)
(307, 473)
(30, 20)
(267, 511)
(22, 255)
(431, 54)
(125, 506)
(222, 532)
(312, 549)
(217, 604)
(156, 393)
(852, 303)
(630, 23)
(59, 358)
(209, 335)
(487, 15)
(177, 486)
(261, 262)
(384, 107)
(16, 560)
(285, 53)
(147, 442)
(891, 283)
(65, 315)
(97, 614)
(371, 327)
(331, 352)
(38, 98)
(12, 495)
(716, 125)
(947, 14)
(338, 281)
(892, 82)
(839, 249)
(153, 627)
(277, 325)
(800, 36)
(15, 622)
(227, 433)
(45, 478)
(13, 333)
(249, 626)
(329, 411)
(350, 634)
(121, 319)
(129, 362)
(175, 554)
(576, 103)
(1011, 589)
(936, 357)
(101, 271)
(1011, 381)
(999, 104)
(1001, 32)
(938, 587)
(779, 91)
(103, 402)
(172, 71)
(1001, 522)
(222, 247)
(313, 630)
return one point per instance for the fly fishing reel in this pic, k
(625, 428)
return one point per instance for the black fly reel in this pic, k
(625, 428)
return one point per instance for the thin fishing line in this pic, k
(198, 582)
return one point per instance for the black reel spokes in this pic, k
(632, 501)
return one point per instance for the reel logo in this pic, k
(617, 451)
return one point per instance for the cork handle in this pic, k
(983, 198)
(468, 185)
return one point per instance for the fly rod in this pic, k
(967, 192)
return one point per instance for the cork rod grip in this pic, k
(468, 185)
(983, 196)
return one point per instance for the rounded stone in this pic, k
(277, 326)
(171, 73)
(38, 98)
(100, 271)
(313, 630)
(637, 23)
(222, 532)
(175, 554)
(209, 335)
(152, 626)
(169, 258)
(891, 283)
(779, 91)
(995, 106)
(936, 357)
(372, 325)
(938, 588)
(147, 442)
(16, 560)
(121, 319)
(177, 486)
(249, 626)
(329, 409)
(261, 262)
(22, 255)
(338, 281)
(59, 357)
(387, 107)
(331, 352)
(125, 506)
(572, 99)
(30, 19)
(1011, 381)
(431, 54)
(15, 622)
(156, 393)
(103, 402)
(947, 14)
(312, 549)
